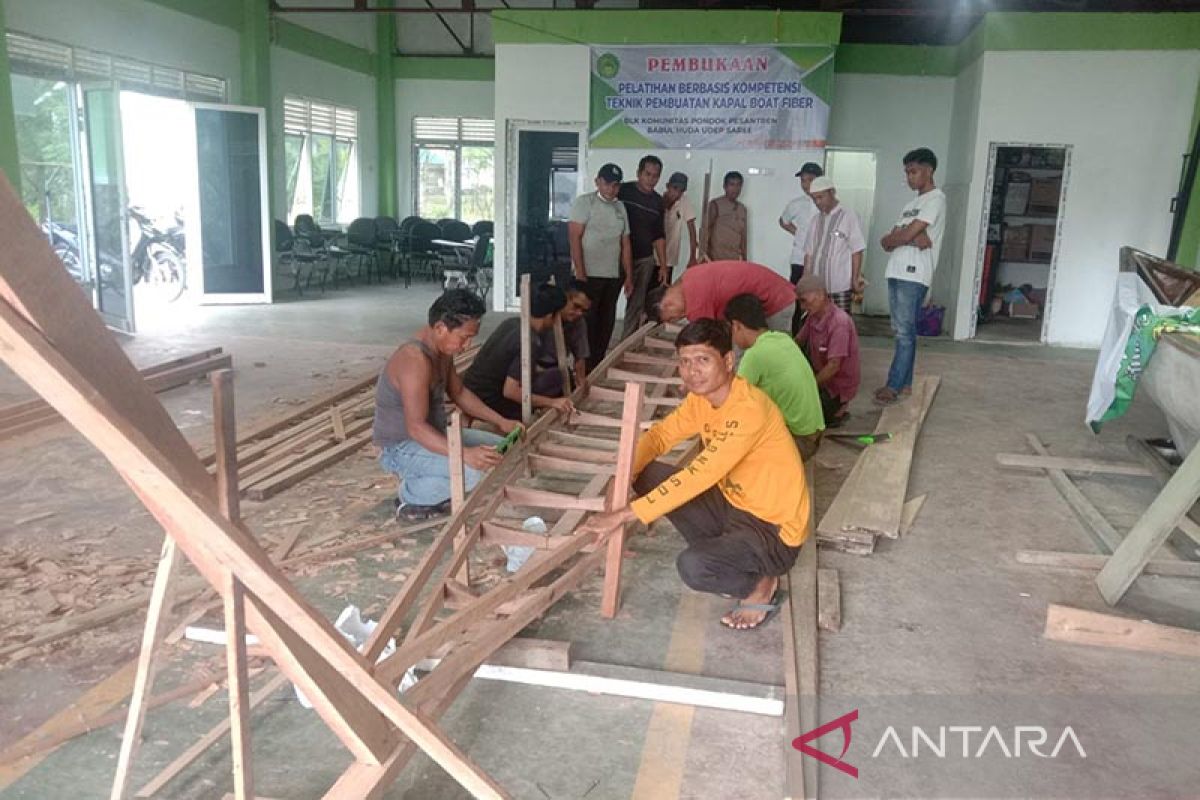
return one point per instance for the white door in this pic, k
(229, 230)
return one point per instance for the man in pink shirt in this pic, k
(830, 340)
(704, 290)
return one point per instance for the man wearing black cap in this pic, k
(495, 374)
(677, 212)
(795, 219)
(601, 255)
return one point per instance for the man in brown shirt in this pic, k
(723, 237)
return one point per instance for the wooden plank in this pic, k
(909, 518)
(526, 352)
(160, 605)
(829, 600)
(287, 419)
(540, 498)
(575, 439)
(272, 486)
(1077, 626)
(181, 376)
(618, 497)
(214, 735)
(1162, 472)
(1086, 466)
(1151, 530)
(239, 689)
(649, 360)
(1105, 536)
(801, 671)
(1096, 562)
(545, 463)
(614, 396)
(643, 377)
(225, 428)
(584, 418)
(560, 353)
(590, 455)
(53, 340)
(45, 741)
(872, 497)
(85, 710)
(458, 490)
(339, 424)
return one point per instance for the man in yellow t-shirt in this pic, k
(742, 504)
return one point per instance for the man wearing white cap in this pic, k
(835, 244)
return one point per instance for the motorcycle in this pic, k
(158, 258)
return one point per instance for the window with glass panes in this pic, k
(320, 148)
(454, 168)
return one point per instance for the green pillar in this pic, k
(385, 107)
(255, 37)
(1189, 240)
(10, 162)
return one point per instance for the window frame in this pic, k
(458, 144)
(340, 126)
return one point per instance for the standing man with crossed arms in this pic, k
(601, 256)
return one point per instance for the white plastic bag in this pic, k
(357, 631)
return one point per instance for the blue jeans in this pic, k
(426, 475)
(904, 299)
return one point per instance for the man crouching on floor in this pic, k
(742, 503)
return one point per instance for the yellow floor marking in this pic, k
(110, 692)
(660, 774)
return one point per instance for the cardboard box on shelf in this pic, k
(1023, 310)
(1016, 197)
(1016, 243)
(1043, 195)
(1041, 242)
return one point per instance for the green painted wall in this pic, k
(1189, 241)
(329, 49)
(665, 27)
(446, 68)
(255, 36)
(385, 109)
(888, 59)
(1091, 31)
(10, 162)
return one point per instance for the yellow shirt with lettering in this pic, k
(748, 453)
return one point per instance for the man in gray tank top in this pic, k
(410, 414)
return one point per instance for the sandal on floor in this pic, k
(771, 608)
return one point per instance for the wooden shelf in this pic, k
(1040, 217)
(1026, 263)
(1037, 171)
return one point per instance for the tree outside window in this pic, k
(454, 168)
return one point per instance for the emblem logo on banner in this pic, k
(720, 98)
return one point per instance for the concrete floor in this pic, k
(941, 628)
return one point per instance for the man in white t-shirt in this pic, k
(677, 215)
(914, 245)
(834, 245)
(795, 220)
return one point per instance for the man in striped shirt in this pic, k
(835, 245)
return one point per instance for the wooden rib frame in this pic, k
(53, 340)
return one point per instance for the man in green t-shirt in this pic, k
(773, 362)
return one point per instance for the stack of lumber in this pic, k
(871, 502)
(34, 414)
(281, 452)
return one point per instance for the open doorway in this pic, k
(157, 140)
(1024, 214)
(545, 163)
(853, 172)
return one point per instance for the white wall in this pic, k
(1127, 117)
(539, 83)
(890, 114)
(303, 76)
(956, 265)
(134, 29)
(435, 98)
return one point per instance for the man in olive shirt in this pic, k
(647, 237)
(772, 361)
(723, 234)
(601, 255)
